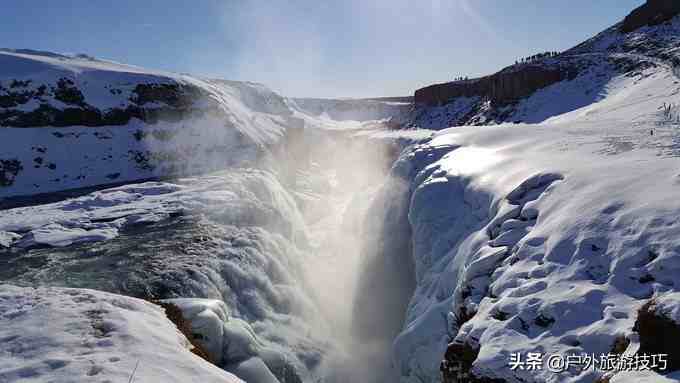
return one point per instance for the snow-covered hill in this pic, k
(535, 91)
(558, 238)
(74, 121)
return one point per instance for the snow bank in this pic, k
(66, 335)
(543, 238)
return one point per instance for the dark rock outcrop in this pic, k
(151, 103)
(653, 12)
(9, 169)
(504, 87)
(457, 365)
(659, 334)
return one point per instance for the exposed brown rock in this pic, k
(506, 86)
(658, 335)
(175, 315)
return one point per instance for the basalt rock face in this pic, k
(653, 12)
(25, 104)
(520, 93)
(504, 87)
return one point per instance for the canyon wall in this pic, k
(504, 87)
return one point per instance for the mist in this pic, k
(359, 265)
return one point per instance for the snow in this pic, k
(68, 335)
(231, 342)
(250, 268)
(559, 220)
(95, 217)
(644, 377)
(257, 315)
(344, 110)
(541, 236)
(254, 370)
(237, 120)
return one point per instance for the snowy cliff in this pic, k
(74, 121)
(535, 91)
(306, 240)
(559, 238)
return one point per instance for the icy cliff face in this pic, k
(546, 238)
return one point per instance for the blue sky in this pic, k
(349, 48)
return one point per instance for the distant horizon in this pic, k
(302, 49)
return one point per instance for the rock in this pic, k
(206, 318)
(457, 365)
(659, 333)
(151, 103)
(9, 168)
(653, 12)
(504, 87)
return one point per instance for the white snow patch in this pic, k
(67, 335)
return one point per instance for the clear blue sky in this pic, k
(348, 48)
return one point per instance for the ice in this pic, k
(254, 370)
(545, 235)
(231, 342)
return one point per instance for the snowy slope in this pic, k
(74, 121)
(544, 238)
(69, 335)
(586, 71)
